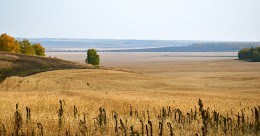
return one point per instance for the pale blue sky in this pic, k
(235, 20)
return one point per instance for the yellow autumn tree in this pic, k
(39, 49)
(9, 44)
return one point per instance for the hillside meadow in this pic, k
(152, 96)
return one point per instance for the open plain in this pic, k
(138, 82)
(182, 78)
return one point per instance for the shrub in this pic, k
(92, 57)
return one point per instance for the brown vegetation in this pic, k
(70, 121)
(23, 65)
(160, 102)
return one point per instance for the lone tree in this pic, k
(92, 57)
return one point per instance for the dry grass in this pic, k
(23, 65)
(225, 86)
(45, 110)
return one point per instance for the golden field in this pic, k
(146, 84)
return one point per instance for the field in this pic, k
(142, 91)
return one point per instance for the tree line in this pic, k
(10, 44)
(250, 54)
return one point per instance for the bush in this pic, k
(92, 57)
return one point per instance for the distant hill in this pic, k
(234, 45)
(69, 44)
(114, 45)
(198, 47)
(23, 65)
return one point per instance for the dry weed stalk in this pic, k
(204, 122)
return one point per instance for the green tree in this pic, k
(92, 57)
(257, 49)
(26, 47)
(39, 49)
(245, 53)
(9, 44)
(250, 53)
(256, 56)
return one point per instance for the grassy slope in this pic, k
(222, 85)
(23, 65)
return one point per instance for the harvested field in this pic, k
(230, 87)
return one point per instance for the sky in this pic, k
(214, 20)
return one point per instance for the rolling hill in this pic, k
(22, 65)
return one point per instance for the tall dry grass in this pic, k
(69, 120)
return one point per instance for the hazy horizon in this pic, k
(200, 20)
(71, 38)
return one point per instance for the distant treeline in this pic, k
(10, 44)
(234, 45)
(250, 53)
